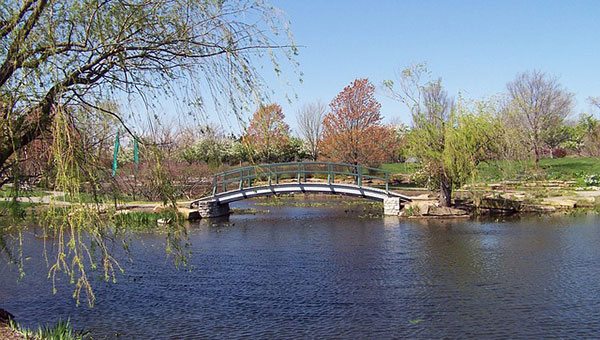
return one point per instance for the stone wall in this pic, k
(212, 209)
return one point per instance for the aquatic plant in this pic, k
(62, 330)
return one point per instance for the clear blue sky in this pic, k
(476, 47)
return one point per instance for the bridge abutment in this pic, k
(210, 209)
(392, 206)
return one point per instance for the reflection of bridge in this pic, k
(307, 177)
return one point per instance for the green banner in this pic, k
(136, 152)
(116, 153)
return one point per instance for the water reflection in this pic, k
(328, 272)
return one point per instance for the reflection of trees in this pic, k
(452, 249)
(83, 244)
(4, 245)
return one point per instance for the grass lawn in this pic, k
(400, 168)
(7, 192)
(570, 168)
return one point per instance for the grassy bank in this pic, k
(571, 168)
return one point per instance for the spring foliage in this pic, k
(353, 131)
(75, 53)
(449, 139)
(268, 133)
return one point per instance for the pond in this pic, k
(322, 271)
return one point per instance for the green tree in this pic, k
(557, 136)
(80, 52)
(209, 147)
(294, 150)
(449, 139)
(588, 128)
(238, 152)
(60, 59)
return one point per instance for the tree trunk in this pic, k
(536, 150)
(445, 191)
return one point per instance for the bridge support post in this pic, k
(392, 206)
(212, 209)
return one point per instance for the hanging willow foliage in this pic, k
(79, 231)
(63, 59)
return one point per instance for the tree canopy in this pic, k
(539, 105)
(62, 61)
(353, 131)
(449, 139)
(268, 133)
(79, 52)
(310, 124)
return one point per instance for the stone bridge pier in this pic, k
(209, 209)
(392, 206)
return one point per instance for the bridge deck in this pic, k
(287, 188)
(271, 179)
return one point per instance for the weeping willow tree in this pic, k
(75, 53)
(450, 152)
(448, 138)
(60, 60)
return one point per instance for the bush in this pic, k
(592, 180)
(559, 153)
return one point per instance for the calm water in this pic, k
(327, 272)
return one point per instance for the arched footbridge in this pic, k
(299, 177)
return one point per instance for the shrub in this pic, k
(592, 180)
(559, 153)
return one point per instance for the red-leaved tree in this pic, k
(268, 133)
(353, 131)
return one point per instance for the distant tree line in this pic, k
(450, 136)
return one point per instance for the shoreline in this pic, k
(506, 198)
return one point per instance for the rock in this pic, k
(445, 212)
(560, 202)
(5, 316)
(594, 193)
(430, 209)
(189, 214)
(495, 186)
(163, 221)
(416, 208)
(500, 205)
(422, 197)
(210, 209)
(586, 202)
(537, 208)
(514, 196)
(588, 199)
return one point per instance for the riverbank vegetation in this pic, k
(62, 330)
(580, 169)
